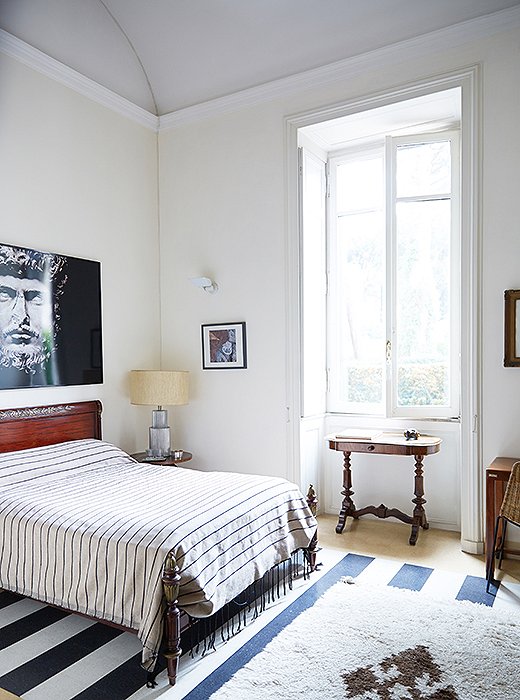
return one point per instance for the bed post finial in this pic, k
(170, 581)
(313, 548)
(312, 499)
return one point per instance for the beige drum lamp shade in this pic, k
(158, 388)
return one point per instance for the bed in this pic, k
(87, 528)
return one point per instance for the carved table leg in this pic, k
(170, 581)
(347, 507)
(419, 514)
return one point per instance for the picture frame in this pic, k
(57, 340)
(512, 328)
(224, 345)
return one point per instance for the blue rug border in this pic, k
(350, 565)
(411, 577)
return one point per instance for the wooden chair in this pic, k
(509, 513)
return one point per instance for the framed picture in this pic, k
(512, 328)
(50, 319)
(224, 346)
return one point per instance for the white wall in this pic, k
(77, 179)
(223, 214)
(501, 245)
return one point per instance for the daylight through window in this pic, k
(393, 261)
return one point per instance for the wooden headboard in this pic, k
(21, 428)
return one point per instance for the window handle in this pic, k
(388, 350)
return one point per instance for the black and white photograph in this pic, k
(224, 346)
(50, 319)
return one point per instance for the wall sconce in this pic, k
(205, 283)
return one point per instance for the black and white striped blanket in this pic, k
(85, 527)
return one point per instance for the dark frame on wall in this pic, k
(50, 319)
(224, 345)
(512, 328)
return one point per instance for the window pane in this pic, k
(360, 319)
(360, 185)
(423, 169)
(423, 303)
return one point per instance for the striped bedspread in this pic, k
(85, 527)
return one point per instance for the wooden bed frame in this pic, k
(23, 428)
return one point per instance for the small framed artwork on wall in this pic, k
(224, 346)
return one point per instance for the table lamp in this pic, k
(158, 388)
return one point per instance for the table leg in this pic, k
(494, 496)
(347, 507)
(419, 514)
(490, 520)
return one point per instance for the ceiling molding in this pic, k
(404, 51)
(39, 61)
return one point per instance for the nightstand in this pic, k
(169, 461)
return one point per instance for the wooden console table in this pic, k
(497, 476)
(386, 444)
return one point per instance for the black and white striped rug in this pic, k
(47, 654)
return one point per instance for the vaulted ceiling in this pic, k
(164, 55)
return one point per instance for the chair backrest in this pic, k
(510, 508)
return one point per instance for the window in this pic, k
(393, 268)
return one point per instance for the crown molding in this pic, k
(39, 61)
(403, 51)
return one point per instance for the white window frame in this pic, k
(388, 407)
(452, 410)
(313, 396)
(334, 402)
(469, 81)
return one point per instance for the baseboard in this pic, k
(444, 525)
(472, 547)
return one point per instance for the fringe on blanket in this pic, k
(202, 634)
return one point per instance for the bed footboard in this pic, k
(170, 582)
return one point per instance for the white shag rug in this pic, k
(366, 642)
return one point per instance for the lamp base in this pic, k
(159, 436)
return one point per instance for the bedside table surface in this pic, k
(168, 461)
